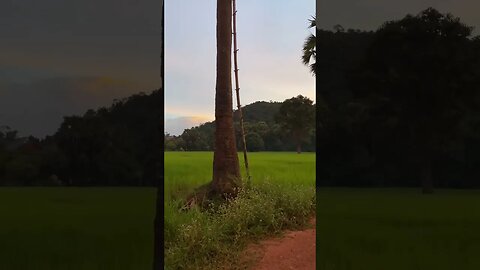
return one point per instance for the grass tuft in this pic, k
(214, 238)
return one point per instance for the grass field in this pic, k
(76, 228)
(397, 229)
(284, 186)
(185, 171)
(358, 229)
(111, 228)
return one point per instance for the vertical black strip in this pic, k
(158, 250)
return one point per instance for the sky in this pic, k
(271, 34)
(60, 58)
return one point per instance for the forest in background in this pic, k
(394, 107)
(120, 145)
(399, 106)
(263, 132)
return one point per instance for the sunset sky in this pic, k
(61, 58)
(270, 38)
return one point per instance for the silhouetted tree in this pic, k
(420, 78)
(309, 49)
(297, 116)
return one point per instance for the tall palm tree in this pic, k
(309, 56)
(226, 168)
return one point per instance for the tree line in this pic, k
(121, 145)
(116, 145)
(269, 126)
(399, 106)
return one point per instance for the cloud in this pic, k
(80, 17)
(63, 57)
(176, 126)
(135, 58)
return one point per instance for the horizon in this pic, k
(50, 70)
(180, 124)
(270, 66)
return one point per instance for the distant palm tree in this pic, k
(309, 56)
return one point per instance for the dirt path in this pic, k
(295, 250)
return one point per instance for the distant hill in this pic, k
(259, 111)
(262, 132)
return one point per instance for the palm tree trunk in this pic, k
(226, 168)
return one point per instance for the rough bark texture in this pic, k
(226, 168)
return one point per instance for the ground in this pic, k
(294, 250)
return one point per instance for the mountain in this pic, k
(262, 132)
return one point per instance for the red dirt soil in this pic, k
(295, 250)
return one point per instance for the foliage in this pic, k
(297, 116)
(118, 145)
(261, 128)
(419, 79)
(121, 145)
(254, 142)
(309, 56)
(397, 98)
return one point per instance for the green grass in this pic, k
(186, 170)
(282, 196)
(76, 228)
(358, 229)
(112, 228)
(397, 229)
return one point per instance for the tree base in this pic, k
(205, 197)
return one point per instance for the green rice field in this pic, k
(185, 171)
(357, 229)
(112, 228)
(76, 228)
(397, 229)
